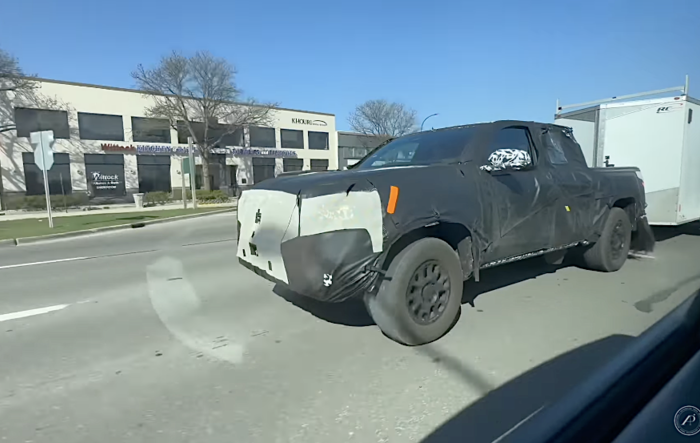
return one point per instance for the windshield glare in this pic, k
(423, 148)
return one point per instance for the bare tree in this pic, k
(381, 117)
(14, 85)
(200, 93)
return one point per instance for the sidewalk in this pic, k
(112, 209)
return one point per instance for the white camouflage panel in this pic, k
(507, 159)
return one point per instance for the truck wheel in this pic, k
(420, 297)
(609, 253)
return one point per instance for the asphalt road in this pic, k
(158, 335)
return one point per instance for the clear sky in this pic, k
(466, 60)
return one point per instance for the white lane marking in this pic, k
(21, 265)
(31, 312)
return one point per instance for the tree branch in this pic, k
(200, 89)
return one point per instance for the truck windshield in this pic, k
(441, 146)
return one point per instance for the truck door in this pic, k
(576, 201)
(522, 205)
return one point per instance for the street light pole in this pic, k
(193, 172)
(431, 115)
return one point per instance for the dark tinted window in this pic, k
(153, 130)
(234, 138)
(231, 139)
(34, 120)
(59, 174)
(262, 137)
(512, 138)
(105, 175)
(318, 140)
(183, 131)
(423, 148)
(100, 127)
(293, 164)
(555, 151)
(566, 141)
(263, 169)
(319, 165)
(292, 139)
(154, 173)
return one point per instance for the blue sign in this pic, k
(182, 150)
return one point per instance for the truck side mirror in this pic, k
(508, 159)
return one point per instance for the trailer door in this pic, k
(648, 135)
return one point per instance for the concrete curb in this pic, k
(42, 238)
(10, 242)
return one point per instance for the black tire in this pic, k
(426, 268)
(609, 253)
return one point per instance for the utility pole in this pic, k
(183, 189)
(193, 173)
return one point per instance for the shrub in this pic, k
(216, 196)
(177, 194)
(38, 202)
(156, 198)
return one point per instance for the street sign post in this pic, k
(193, 172)
(42, 142)
(183, 189)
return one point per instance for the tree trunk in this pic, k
(204, 153)
(206, 183)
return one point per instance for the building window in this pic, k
(263, 168)
(293, 164)
(59, 175)
(319, 165)
(183, 132)
(234, 138)
(262, 137)
(34, 120)
(100, 127)
(105, 175)
(217, 172)
(292, 139)
(153, 130)
(318, 140)
(154, 173)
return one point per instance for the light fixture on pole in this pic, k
(431, 115)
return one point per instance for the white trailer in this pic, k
(660, 136)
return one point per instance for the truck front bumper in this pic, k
(325, 247)
(330, 267)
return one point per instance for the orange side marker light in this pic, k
(393, 198)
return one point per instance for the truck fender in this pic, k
(466, 252)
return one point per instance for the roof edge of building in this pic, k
(116, 88)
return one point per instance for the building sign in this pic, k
(180, 150)
(261, 152)
(309, 122)
(105, 179)
(105, 182)
(145, 149)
